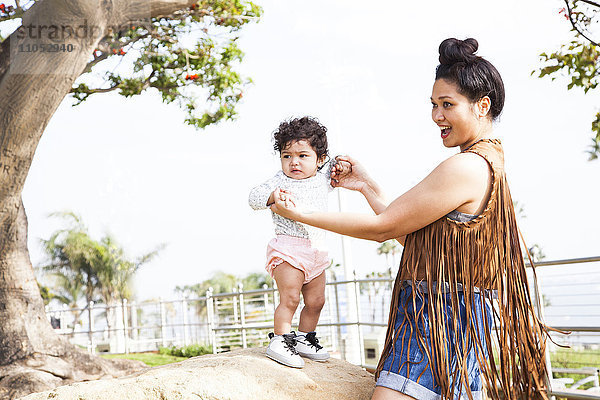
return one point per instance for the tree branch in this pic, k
(593, 3)
(105, 90)
(162, 88)
(146, 84)
(4, 57)
(160, 8)
(130, 9)
(106, 54)
(573, 22)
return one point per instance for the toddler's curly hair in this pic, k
(304, 128)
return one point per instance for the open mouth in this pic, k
(445, 131)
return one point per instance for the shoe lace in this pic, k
(311, 337)
(289, 342)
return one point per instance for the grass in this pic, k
(570, 358)
(576, 359)
(573, 359)
(191, 350)
(166, 355)
(151, 359)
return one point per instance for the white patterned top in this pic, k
(310, 194)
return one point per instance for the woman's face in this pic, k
(461, 122)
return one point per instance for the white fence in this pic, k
(352, 323)
(223, 321)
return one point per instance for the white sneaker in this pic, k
(282, 349)
(308, 346)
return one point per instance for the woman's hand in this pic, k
(349, 174)
(285, 204)
(355, 177)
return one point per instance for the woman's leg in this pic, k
(289, 283)
(383, 393)
(314, 300)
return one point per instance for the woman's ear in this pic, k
(483, 106)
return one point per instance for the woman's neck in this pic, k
(485, 133)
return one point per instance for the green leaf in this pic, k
(171, 60)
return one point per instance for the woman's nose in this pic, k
(437, 115)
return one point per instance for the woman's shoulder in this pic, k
(486, 152)
(463, 162)
(464, 168)
(490, 150)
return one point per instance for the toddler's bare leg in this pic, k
(289, 283)
(314, 300)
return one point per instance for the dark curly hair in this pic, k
(305, 128)
(474, 76)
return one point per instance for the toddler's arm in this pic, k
(261, 196)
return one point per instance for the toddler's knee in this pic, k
(290, 301)
(315, 302)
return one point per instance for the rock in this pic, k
(237, 375)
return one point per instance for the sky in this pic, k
(132, 168)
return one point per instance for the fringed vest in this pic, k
(478, 256)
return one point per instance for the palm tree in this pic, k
(375, 290)
(256, 280)
(386, 248)
(222, 282)
(114, 272)
(102, 268)
(69, 292)
(71, 253)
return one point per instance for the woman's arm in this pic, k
(455, 182)
(357, 178)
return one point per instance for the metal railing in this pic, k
(351, 327)
(583, 357)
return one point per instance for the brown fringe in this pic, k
(483, 253)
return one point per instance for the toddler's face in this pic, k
(299, 160)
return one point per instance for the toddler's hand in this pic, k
(285, 204)
(341, 169)
(286, 197)
(349, 173)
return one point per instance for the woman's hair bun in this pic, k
(474, 76)
(453, 51)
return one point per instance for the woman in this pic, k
(461, 254)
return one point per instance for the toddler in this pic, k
(297, 257)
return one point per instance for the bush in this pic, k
(192, 350)
(151, 359)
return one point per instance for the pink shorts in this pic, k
(299, 254)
